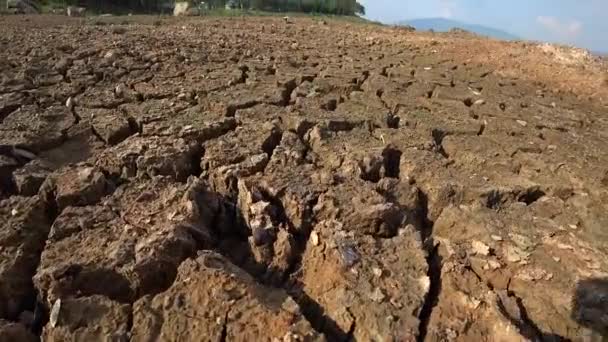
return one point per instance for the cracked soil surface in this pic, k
(244, 179)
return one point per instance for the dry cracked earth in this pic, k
(246, 179)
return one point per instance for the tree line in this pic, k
(339, 7)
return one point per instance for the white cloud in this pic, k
(563, 29)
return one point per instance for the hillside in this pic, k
(297, 179)
(444, 25)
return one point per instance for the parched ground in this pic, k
(241, 179)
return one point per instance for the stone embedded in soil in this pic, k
(212, 299)
(24, 228)
(93, 318)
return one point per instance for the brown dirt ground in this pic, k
(240, 179)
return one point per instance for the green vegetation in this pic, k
(335, 7)
(339, 7)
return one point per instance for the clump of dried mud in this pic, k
(260, 179)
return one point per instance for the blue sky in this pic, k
(577, 22)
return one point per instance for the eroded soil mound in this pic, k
(250, 179)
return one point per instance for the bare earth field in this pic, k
(261, 179)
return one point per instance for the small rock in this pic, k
(513, 257)
(349, 255)
(565, 246)
(377, 295)
(23, 153)
(291, 306)
(479, 102)
(496, 237)
(425, 283)
(69, 103)
(119, 90)
(557, 259)
(74, 11)
(522, 123)
(514, 254)
(314, 238)
(14, 212)
(377, 271)
(54, 315)
(494, 265)
(110, 56)
(480, 248)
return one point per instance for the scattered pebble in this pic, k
(69, 103)
(377, 296)
(496, 237)
(564, 246)
(522, 123)
(480, 248)
(314, 238)
(54, 315)
(425, 283)
(494, 265)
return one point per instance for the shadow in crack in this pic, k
(317, 317)
(234, 239)
(590, 307)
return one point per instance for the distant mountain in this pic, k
(444, 25)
